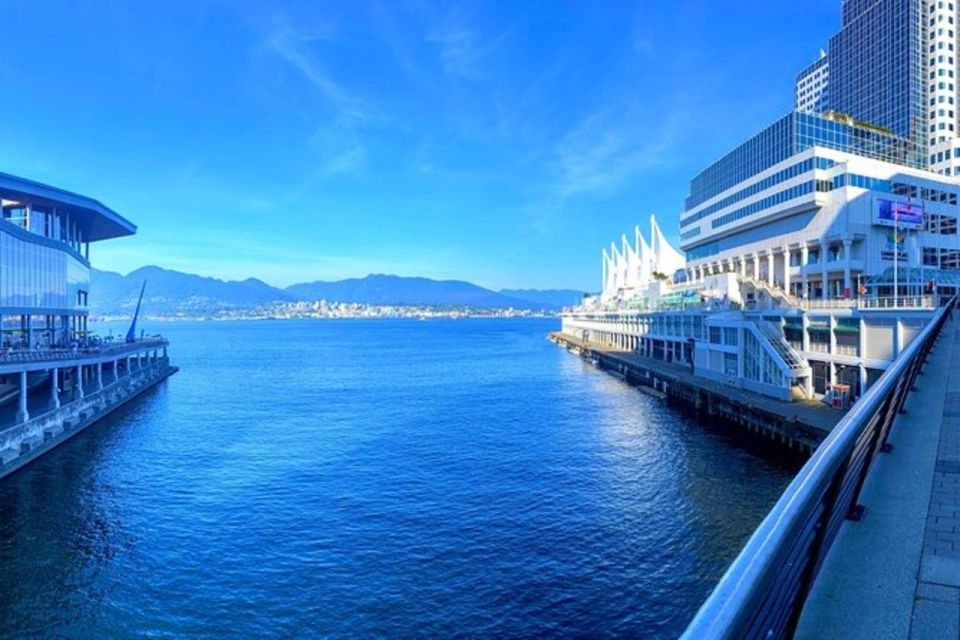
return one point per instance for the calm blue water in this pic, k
(377, 478)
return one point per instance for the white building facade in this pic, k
(817, 249)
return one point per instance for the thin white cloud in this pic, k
(338, 141)
(296, 48)
(463, 50)
(611, 146)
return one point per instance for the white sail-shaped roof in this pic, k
(619, 270)
(667, 260)
(632, 265)
(645, 257)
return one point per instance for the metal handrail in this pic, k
(762, 593)
(104, 349)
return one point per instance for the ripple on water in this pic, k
(370, 478)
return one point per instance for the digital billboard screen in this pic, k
(890, 213)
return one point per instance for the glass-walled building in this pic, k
(45, 236)
(878, 65)
(55, 378)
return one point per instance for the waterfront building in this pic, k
(56, 377)
(816, 250)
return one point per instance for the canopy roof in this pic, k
(97, 221)
(916, 275)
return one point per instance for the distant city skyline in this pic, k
(494, 143)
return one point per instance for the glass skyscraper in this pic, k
(877, 66)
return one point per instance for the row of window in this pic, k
(940, 156)
(940, 224)
(941, 73)
(724, 335)
(924, 193)
(770, 201)
(861, 182)
(43, 221)
(790, 135)
(948, 259)
(761, 185)
(933, 222)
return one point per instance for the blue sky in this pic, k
(498, 142)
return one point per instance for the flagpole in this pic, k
(896, 250)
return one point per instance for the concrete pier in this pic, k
(800, 425)
(896, 572)
(40, 421)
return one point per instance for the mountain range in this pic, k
(174, 293)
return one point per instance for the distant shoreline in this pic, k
(249, 318)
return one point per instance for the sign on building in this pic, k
(890, 213)
(895, 245)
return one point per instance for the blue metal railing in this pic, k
(762, 593)
(103, 349)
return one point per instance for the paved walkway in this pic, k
(896, 573)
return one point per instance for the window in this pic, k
(730, 336)
(730, 364)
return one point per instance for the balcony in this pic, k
(899, 302)
(83, 352)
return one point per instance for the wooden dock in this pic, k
(799, 425)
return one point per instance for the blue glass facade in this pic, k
(792, 171)
(39, 276)
(790, 135)
(773, 200)
(877, 66)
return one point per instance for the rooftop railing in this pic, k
(763, 592)
(81, 350)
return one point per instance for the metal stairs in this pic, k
(796, 363)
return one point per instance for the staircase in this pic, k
(797, 364)
(773, 291)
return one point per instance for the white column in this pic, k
(833, 335)
(756, 267)
(862, 346)
(847, 285)
(786, 270)
(22, 414)
(99, 376)
(743, 266)
(54, 388)
(824, 277)
(79, 381)
(804, 261)
(770, 278)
